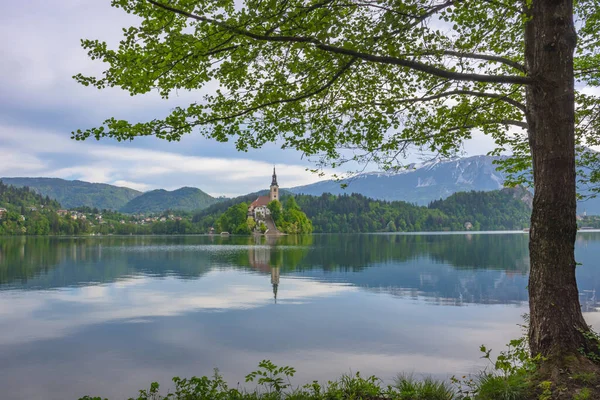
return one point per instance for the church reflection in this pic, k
(265, 257)
(438, 269)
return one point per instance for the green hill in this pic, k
(184, 199)
(73, 194)
(16, 199)
(25, 212)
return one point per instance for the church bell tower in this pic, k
(274, 194)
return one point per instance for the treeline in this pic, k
(32, 214)
(497, 210)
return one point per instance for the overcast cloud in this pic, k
(40, 104)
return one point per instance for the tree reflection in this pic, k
(445, 269)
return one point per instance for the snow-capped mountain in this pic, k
(422, 183)
(419, 183)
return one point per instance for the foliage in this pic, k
(427, 389)
(593, 339)
(14, 198)
(276, 382)
(78, 193)
(290, 219)
(234, 220)
(323, 80)
(156, 201)
(276, 210)
(510, 376)
(29, 213)
(486, 210)
(271, 376)
(496, 210)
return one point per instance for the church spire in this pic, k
(275, 281)
(274, 181)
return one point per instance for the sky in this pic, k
(40, 105)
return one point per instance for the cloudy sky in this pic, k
(40, 105)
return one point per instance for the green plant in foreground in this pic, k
(427, 389)
(546, 388)
(584, 394)
(271, 377)
(592, 337)
(509, 377)
(276, 382)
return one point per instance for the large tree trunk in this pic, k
(556, 320)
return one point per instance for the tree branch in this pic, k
(505, 98)
(474, 56)
(414, 65)
(520, 124)
(327, 85)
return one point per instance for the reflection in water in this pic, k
(146, 308)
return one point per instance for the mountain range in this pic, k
(418, 184)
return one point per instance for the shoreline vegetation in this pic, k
(512, 375)
(24, 212)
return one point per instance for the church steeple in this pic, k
(274, 181)
(275, 281)
(274, 192)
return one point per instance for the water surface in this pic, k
(106, 316)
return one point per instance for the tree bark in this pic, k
(556, 321)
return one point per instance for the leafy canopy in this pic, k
(341, 80)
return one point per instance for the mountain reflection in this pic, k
(441, 269)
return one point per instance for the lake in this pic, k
(106, 316)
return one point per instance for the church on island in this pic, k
(258, 209)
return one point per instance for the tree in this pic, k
(377, 79)
(276, 210)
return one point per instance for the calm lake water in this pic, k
(106, 316)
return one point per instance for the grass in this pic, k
(274, 384)
(409, 388)
(498, 387)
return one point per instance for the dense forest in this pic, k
(496, 210)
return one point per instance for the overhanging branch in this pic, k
(303, 96)
(475, 56)
(513, 122)
(497, 96)
(414, 65)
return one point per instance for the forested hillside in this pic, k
(17, 199)
(30, 213)
(73, 194)
(495, 210)
(500, 209)
(156, 201)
